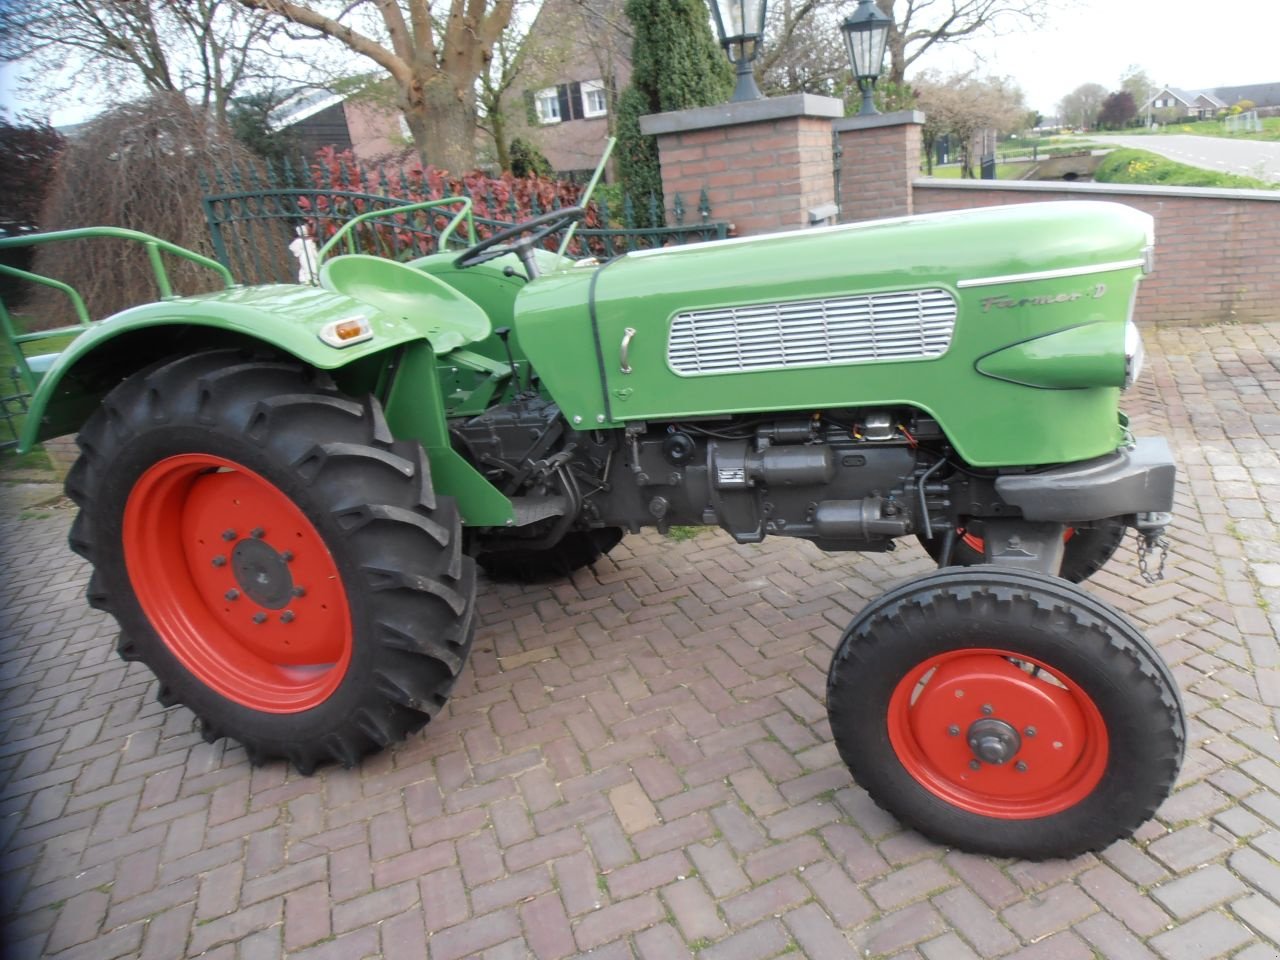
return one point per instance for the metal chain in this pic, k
(1147, 545)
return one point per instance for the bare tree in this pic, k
(205, 49)
(920, 25)
(803, 45)
(435, 58)
(963, 107)
(1081, 106)
(1137, 84)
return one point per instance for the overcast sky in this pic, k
(1191, 44)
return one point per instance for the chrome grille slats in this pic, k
(905, 325)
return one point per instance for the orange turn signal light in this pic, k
(343, 333)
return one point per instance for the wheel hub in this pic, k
(261, 618)
(262, 573)
(993, 741)
(994, 732)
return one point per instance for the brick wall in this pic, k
(879, 160)
(761, 176)
(1217, 251)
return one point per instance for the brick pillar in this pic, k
(766, 164)
(880, 157)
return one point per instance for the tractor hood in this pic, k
(890, 311)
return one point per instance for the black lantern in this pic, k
(740, 24)
(866, 31)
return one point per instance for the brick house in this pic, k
(321, 118)
(1193, 103)
(578, 57)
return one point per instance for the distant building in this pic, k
(578, 58)
(1193, 103)
(322, 118)
(1260, 94)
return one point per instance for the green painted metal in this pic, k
(347, 232)
(285, 316)
(585, 198)
(444, 316)
(572, 349)
(1085, 356)
(32, 370)
(413, 410)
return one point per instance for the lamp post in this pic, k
(740, 24)
(865, 32)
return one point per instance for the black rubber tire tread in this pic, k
(1087, 552)
(578, 549)
(397, 546)
(1041, 617)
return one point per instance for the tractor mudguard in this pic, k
(286, 317)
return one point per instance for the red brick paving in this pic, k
(637, 762)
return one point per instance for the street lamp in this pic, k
(866, 31)
(740, 24)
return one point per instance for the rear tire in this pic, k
(578, 549)
(1005, 712)
(1085, 552)
(273, 555)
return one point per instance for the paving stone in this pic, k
(657, 717)
(1196, 892)
(1208, 935)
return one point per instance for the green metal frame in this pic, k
(347, 231)
(154, 247)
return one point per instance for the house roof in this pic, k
(1188, 97)
(305, 103)
(1262, 94)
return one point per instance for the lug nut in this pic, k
(953, 731)
(299, 591)
(987, 710)
(1030, 731)
(228, 534)
(232, 594)
(257, 533)
(975, 764)
(259, 617)
(1020, 766)
(286, 617)
(219, 561)
(287, 556)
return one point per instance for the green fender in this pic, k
(290, 318)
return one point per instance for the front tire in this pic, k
(1006, 713)
(273, 555)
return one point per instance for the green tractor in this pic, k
(285, 491)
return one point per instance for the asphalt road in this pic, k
(1250, 158)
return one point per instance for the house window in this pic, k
(595, 100)
(547, 103)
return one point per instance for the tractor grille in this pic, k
(913, 325)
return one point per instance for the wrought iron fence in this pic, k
(261, 223)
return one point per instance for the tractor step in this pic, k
(532, 509)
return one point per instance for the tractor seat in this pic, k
(444, 316)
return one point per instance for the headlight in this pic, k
(1134, 354)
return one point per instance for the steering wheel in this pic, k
(530, 233)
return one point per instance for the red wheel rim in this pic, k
(1056, 755)
(237, 582)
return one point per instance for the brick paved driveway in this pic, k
(637, 762)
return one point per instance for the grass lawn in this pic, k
(1004, 171)
(1141, 166)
